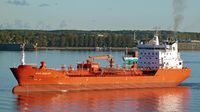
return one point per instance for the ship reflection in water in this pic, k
(158, 99)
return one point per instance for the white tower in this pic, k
(156, 40)
(23, 55)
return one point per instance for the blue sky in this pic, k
(97, 14)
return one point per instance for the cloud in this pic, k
(6, 26)
(44, 5)
(16, 24)
(18, 2)
(20, 24)
(63, 24)
(43, 26)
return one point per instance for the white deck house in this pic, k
(153, 55)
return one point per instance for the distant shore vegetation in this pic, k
(79, 38)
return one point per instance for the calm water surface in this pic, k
(185, 98)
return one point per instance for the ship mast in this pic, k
(23, 55)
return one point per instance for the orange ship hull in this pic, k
(37, 79)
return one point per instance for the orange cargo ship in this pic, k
(158, 66)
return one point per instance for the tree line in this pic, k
(78, 38)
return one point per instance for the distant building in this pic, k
(184, 40)
(195, 41)
(100, 35)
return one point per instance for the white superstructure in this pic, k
(153, 55)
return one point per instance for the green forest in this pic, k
(79, 38)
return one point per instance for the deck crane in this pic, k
(109, 58)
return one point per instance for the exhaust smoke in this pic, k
(178, 9)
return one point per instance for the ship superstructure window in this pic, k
(180, 63)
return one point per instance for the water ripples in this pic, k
(138, 100)
(145, 100)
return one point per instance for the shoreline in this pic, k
(104, 49)
(192, 46)
(88, 48)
